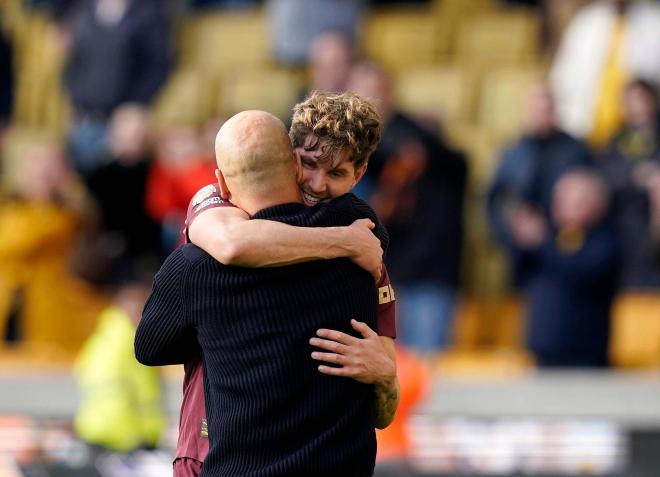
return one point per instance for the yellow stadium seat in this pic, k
(185, 34)
(497, 322)
(635, 330)
(399, 39)
(560, 13)
(188, 98)
(509, 327)
(451, 14)
(497, 39)
(468, 325)
(460, 9)
(482, 146)
(227, 41)
(40, 100)
(272, 90)
(484, 362)
(444, 91)
(10, 15)
(503, 99)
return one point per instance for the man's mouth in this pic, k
(310, 200)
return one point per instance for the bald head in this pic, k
(254, 154)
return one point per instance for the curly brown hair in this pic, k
(339, 120)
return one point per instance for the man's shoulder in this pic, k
(357, 208)
(193, 255)
(343, 210)
(184, 258)
(353, 203)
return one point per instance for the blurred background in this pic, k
(518, 175)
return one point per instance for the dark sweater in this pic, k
(270, 412)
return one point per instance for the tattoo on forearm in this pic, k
(386, 403)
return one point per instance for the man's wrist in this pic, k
(386, 382)
(348, 243)
(338, 243)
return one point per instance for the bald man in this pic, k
(269, 411)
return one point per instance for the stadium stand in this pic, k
(469, 64)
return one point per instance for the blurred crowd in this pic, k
(573, 200)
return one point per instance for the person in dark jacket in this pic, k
(631, 165)
(119, 53)
(130, 238)
(416, 184)
(572, 275)
(521, 190)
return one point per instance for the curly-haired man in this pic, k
(332, 136)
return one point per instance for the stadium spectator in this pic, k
(295, 24)
(41, 301)
(572, 280)
(129, 237)
(329, 64)
(121, 406)
(605, 43)
(181, 168)
(418, 186)
(631, 165)
(119, 52)
(521, 192)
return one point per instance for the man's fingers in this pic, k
(333, 358)
(363, 329)
(335, 371)
(328, 345)
(335, 335)
(367, 222)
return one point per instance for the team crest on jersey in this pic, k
(203, 193)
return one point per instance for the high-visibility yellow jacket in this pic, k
(120, 399)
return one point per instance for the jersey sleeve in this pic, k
(208, 197)
(386, 306)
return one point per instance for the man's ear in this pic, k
(225, 193)
(298, 164)
(358, 174)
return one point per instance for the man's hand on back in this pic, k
(364, 247)
(370, 360)
(366, 359)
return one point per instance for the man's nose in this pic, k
(318, 183)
